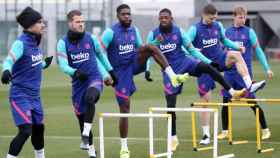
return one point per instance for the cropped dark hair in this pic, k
(165, 10)
(210, 9)
(73, 13)
(122, 6)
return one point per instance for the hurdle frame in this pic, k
(234, 104)
(150, 117)
(258, 129)
(194, 141)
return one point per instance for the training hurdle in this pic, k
(194, 140)
(258, 129)
(168, 154)
(230, 138)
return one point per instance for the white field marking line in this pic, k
(137, 139)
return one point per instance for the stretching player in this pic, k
(80, 56)
(207, 35)
(23, 68)
(170, 39)
(128, 57)
(246, 37)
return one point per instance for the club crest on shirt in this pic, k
(123, 90)
(87, 46)
(132, 37)
(174, 37)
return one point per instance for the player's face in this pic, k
(77, 24)
(38, 27)
(124, 17)
(239, 19)
(165, 20)
(209, 18)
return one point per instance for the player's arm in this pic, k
(107, 38)
(191, 33)
(100, 48)
(14, 55)
(104, 73)
(187, 44)
(259, 52)
(63, 60)
(227, 42)
(100, 54)
(139, 41)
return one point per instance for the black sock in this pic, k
(262, 117)
(215, 74)
(171, 103)
(24, 131)
(37, 137)
(225, 114)
(91, 97)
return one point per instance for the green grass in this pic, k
(62, 134)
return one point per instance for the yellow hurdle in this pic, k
(221, 104)
(257, 100)
(241, 104)
(194, 132)
(194, 139)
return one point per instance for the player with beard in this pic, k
(128, 57)
(80, 56)
(171, 40)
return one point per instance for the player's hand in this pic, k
(114, 78)
(108, 81)
(242, 49)
(216, 66)
(6, 77)
(82, 76)
(148, 76)
(270, 74)
(48, 61)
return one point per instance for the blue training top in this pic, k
(121, 44)
(246, 37)
(208, 38)
(90, 44)
(175, 45)
(25, 63)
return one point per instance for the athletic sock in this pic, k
(87, 128)
(248, 81)
(124, 144)
(231, 91)
(206, 130)
(11, 156)
(39, 153)
(169, 71)
(174, 137)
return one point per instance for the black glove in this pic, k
(114, 78)
(6, 77)
(216, 66)
(48, 61)
(148, 76)
(82, 76)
